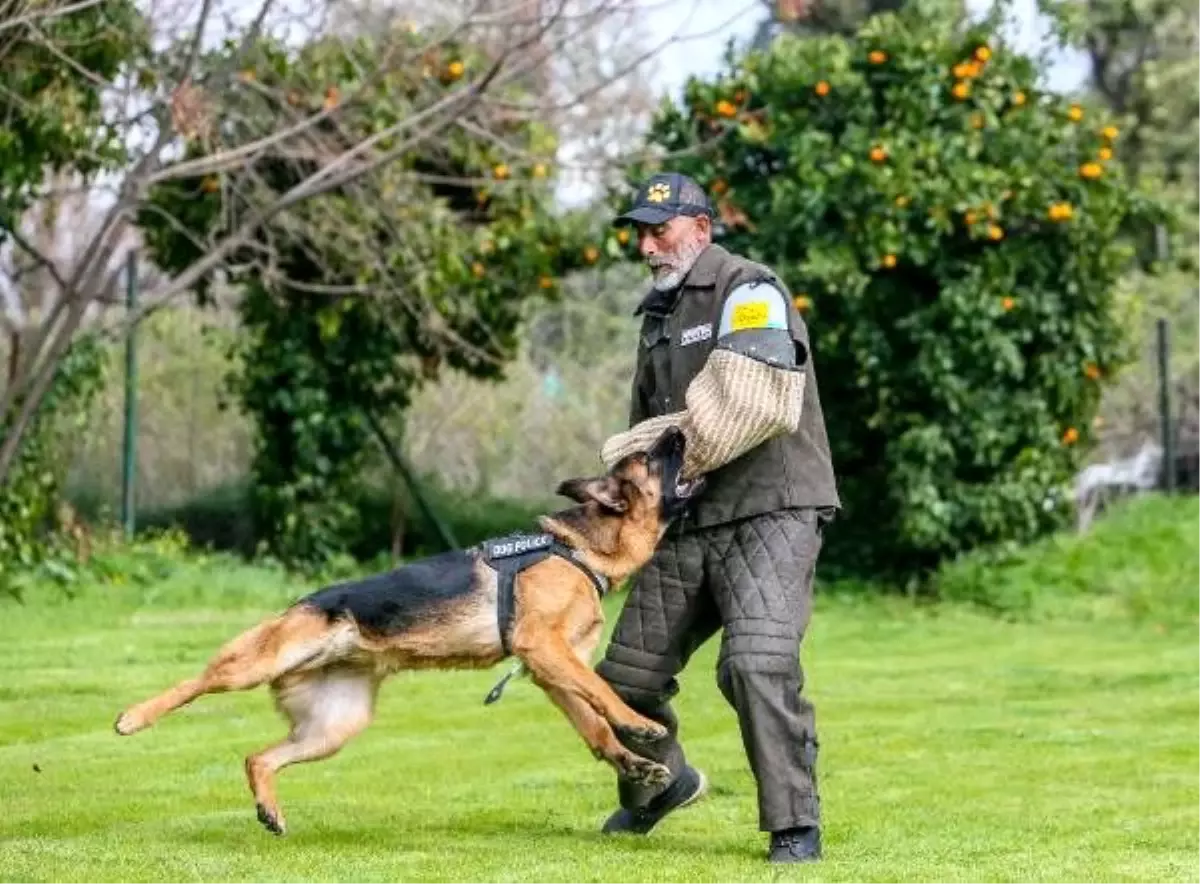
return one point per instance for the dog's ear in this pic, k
(605, 491)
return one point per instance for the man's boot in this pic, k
(687, 788)
(801, 845)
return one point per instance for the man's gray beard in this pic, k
(683, 263)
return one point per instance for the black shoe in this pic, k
(802, 845)
(688, 787)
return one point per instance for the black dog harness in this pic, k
(509, 556)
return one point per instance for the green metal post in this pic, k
(128, 475)
(1164, 405)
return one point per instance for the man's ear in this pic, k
(605, 491)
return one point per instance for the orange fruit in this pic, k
(983, 53)
(1091, 170)
(877, 57)
(1018, 98)
(500, 171)
(1061, 212)
(822, 89)
(889, 261)
(802, 302)
(1071, 436)
(726, 108)
(878, 154)
(1075, 113)
(1008, 304)
(455, 69)
(961, 90)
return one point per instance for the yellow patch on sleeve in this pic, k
(752, 314)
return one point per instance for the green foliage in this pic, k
(27, 500)
(374, 287)
(950, 232)
(50, 106)
(1139, 562)
(52, 120)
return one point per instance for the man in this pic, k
(724, 355)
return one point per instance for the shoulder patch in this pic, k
(753, 306)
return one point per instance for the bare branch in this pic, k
(45, 12)
(41, 259)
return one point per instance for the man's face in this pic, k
(670, 248)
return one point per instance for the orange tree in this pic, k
(952, 234)
(354, 298)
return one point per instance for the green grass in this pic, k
(1140, 562)
(955, 746)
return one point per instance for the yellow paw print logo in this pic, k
(658, 193)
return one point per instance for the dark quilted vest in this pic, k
(678, 333)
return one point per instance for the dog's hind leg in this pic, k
(260, 654)
(599, 736)
(326, 708)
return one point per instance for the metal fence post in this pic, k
(1164, 404)
(129, 455)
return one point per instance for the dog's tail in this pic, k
(259, 655)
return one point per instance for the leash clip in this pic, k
(494, 693)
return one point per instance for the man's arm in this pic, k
(750, 389)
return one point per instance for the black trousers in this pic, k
(753, 580)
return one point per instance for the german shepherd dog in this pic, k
(325, 656)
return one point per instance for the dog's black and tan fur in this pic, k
(325, 656)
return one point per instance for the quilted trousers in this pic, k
(751, 580)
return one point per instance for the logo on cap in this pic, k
(658, 193)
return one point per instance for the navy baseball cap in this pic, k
(665, 196)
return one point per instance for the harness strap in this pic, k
(511, 556)
(509, 569)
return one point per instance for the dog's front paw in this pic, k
(647, 732)
(271, 820)
(127, 724)
(645, 772)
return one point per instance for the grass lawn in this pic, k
(955, 746)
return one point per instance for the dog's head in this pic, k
(643, 489)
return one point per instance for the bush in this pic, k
(28, 531)
(952, 235)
